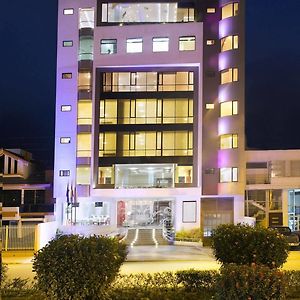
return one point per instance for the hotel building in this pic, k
(150, 113)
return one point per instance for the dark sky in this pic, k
(28, 63)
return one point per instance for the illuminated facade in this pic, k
(150, 113)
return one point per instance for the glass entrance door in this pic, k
(141, 212)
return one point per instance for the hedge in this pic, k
(244, 245)
(75, 267)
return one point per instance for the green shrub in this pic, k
(194, 280)
(194, 234)
(74, 267)
(3, 272)
(256, 282)
(165, 285)
(244, 245)
(293, 284)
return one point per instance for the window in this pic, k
(84, 145)
(229, 75)
(66, 75)
(65, 108)
(160, 44)
(67, 43)
(84, 80)
(209, 106)
(210, 42)
(108, 46)
(228, 175)
(228, 108)
(148, 12)
(64, 173)
(107, 144)
(148, 81)
(84, 113)
(228, 141)
(68, 11)
(83, 175)
(229, 42)
(187, 43)
(86, 44)
(65, 140)
(230, 10)
(210, 10)
(134, 45)
(86, 18)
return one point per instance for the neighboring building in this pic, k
(150, 113)
(26, 188)
(273, 187)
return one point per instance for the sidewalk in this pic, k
(17, 257)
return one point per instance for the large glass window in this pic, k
(144, 176)
(84, 145)
(184, 174)
(134, 45)
(83, 175)
(148, 81)
(228, 108)
(145, 13)
(228, 141)
(229, 42)
(228, 174)
(108, 46)
(146, 111)
(86, 18)
(107, 144)
(187, 43)
(84, 80)
(230, 10)
(85, 48)
(84, 114)
(106, 175)
(229, 75)
(177, 143)
(160, 44)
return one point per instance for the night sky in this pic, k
(28, 66)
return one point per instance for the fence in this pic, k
(18, 237)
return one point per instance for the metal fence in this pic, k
(18, 237)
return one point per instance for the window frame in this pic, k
(153, 42)
(67, 75)
(115, 46)
(68, 11)
(67, 41)
(233, 170)
(185, 37)
(138, 41)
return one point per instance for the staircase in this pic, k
(145, 237)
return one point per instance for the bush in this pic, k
(194, 234)
(3, 272)
(293, 283)
(244, 245)
(194, 280)
(165, 285)
(74, 267)
(254, 282)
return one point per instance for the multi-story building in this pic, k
(25, 188)
(150, 113)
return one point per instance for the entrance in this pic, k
(294, 209)
(144, 212)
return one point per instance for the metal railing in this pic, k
(18, 237)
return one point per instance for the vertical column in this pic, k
(231, 156)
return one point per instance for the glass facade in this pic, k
(148, 81)
(145, 13)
